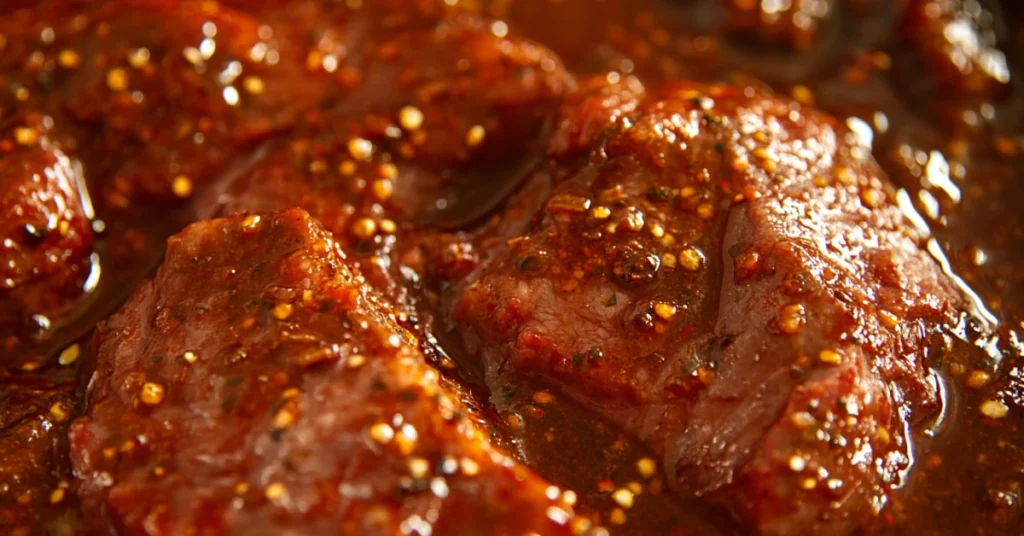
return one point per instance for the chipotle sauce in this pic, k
(148, 116)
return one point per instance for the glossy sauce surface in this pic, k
(253, 107)
(943, 124)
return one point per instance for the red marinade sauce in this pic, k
(561, 267)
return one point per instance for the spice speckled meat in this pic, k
(256, 386)
(439, 109)
(727, 275)
(170, 92)
(45, 223)
(520, 267)
(37, 482)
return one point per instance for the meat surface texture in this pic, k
(443, 107)
(37, 496)
(255, 386)
(169, 93)
(45, 222)
(728, 276)
(444, 267)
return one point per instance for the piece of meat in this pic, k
(728, 276)
(957, 44)
(439, 107)
(797, 23)
(479, 92)
(434, 100)
(35, 476)
(431, 100)
(587, 113)
(167, 93)
(583, 118)
(256, 387)
(47, 240)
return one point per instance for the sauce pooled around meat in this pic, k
(520, 267)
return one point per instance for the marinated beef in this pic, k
(411, 127)
(797, 23)
(958, 43)
(728, 276)
(679, 307)
(442, 109)
(36, 485)
(169, 92)
(255, 386)
(45, 212)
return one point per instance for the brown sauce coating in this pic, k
(414, 128)
(786, 392)
(36, 483)
(169, 93)
(255, 386)
(796, 24)
(170, 112)
(45, 256)
(959, 43)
